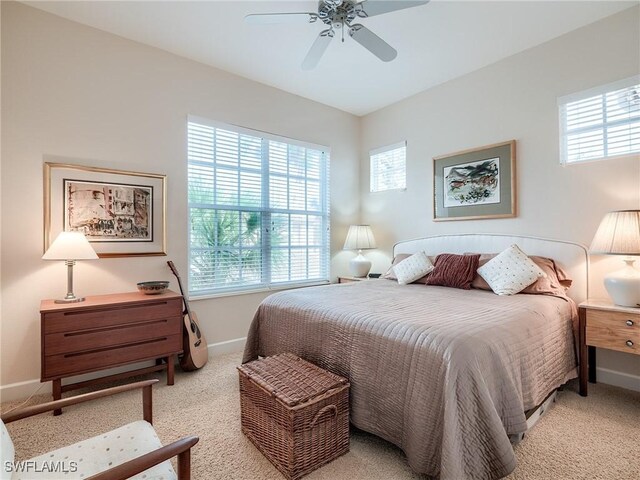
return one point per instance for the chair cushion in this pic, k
(7, 452)
(102, 452)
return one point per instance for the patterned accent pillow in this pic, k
(412, 268)
(556, 283)
(510, 272)
(456, 271)
(391, 275)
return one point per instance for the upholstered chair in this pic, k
(131, 451)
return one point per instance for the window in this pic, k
(389, 168)
(600, 123)
(258, 210)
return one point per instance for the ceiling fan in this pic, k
(338, 15)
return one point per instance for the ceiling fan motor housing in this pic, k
(337, 13)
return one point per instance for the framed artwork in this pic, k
(475, 184)
(121, 213)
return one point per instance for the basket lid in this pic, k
(291, 379)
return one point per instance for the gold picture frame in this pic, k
(479, 183)
(122, 213)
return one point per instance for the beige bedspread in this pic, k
(444, 374)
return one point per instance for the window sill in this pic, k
(256, 290)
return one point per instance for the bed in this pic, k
(445, 374)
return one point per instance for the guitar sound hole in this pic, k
(193, 328)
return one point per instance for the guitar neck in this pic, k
(174, 270)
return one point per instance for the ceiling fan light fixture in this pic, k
(336, 14)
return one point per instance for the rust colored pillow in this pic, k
(556, 283)
(456, 271)
(391, 275)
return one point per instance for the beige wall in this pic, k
(76, 92)
(513, 99)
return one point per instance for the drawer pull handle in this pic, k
(629, 323)
(629, 343)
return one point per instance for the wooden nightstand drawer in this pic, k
(87, 339)
(614, 330)
(613, 339)
(621, 321)
(99, 359)
(76, 320)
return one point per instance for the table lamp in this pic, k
(70, 246)
(359, 237)
(619, 234)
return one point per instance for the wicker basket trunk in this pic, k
(294, 412)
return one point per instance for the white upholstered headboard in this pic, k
(573, 257)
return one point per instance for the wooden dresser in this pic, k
(107, 331)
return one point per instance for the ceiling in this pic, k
(436, 42)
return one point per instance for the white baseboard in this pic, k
(22, 390)
(230, 346)
(618, 379)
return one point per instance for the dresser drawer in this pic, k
(88, 339)
(98, 359)
(613, 330)
(75, 321)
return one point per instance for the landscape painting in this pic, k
(472, 183)
(109, 212)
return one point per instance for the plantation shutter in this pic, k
(388, 168)
(600, 123)
(258, 210)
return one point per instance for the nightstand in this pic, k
(605, 325)
(351, 279)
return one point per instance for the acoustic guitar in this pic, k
(195, 354)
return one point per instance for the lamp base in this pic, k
(69, 300)
(359, 266)
(623, 286)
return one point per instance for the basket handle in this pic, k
(322, 411)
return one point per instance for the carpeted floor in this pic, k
(597, 437)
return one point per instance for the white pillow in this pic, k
(510, 272)
(412, 268)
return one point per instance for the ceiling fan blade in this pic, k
(372, 42)
(370, 8)
(317, 50)
(270, 18)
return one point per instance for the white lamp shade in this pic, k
(618, 234)
(359, 237)
(70, 246)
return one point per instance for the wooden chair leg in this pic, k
(184, 465)
(171, 360)
(57, 393)
(147, 404)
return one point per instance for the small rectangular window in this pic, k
(389, 168)
(600, 123)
